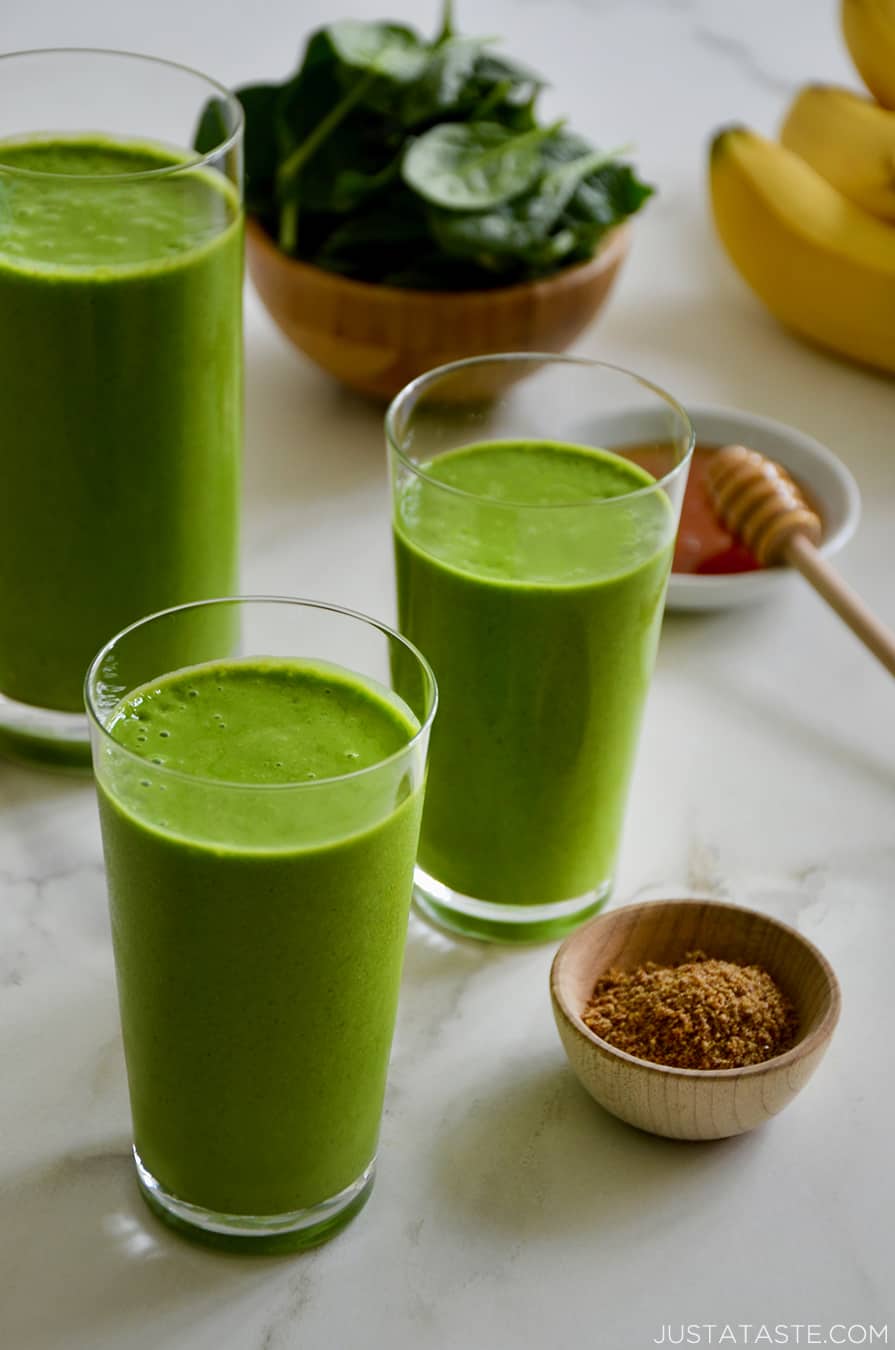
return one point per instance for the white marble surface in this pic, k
(510, 1213)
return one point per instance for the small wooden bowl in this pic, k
(378, 338)
(690, 1103)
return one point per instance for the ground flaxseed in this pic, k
(703, 1013)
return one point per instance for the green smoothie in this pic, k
(259, 886)
(120, 399)
(538, 602)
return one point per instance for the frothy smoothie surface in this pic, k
(571, 540)
(270, 721)
(57, 215)
(538, 473)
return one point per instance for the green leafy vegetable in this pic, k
(259, 144)
(212, 129)
(523, 229)
(447, 84)
(418, 162)
(519, 86)
(384, 49)
(446, 30)
(474, 165)
(382, 238)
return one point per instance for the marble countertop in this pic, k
(510, 1212)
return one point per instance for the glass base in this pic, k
(493, 921)
(44, 737)
(264, 1234)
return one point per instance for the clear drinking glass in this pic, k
(121, 359)
(258, 918)
(532, 575)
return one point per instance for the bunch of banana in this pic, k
(810, 223)
(849, 140)
(869, 29)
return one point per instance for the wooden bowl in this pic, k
(378, 338)
(692, 1103)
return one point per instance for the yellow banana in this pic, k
(821, 265)
(869, 30)
(849, 140)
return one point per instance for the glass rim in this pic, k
(429, 377)
(197, 161)
(93, 714)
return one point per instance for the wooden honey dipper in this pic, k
(760, 502)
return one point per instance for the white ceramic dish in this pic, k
(825, 476)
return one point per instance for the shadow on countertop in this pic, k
(84, 1263)
(533, 1159)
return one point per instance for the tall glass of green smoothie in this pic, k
(121, 360)
(260, 811)
(532, 555)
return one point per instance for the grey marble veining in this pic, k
(743, 60)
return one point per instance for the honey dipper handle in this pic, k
(801, 553)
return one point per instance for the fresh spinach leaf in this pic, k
(349, 166)
(376, 227)
(259, 139)
(361, 56)
(311, 107)
(309, 95)
(289, 173)
(351, 187)
(608, 195)
(259, 103)
(497, 239)
(212, 129)
(564, 146)
(302, 104)
(446, 83)
(388, 50)
(384, 57)
(446, 27)
(544, 208)
(519, 88)
(472, 166)
(493, 68)
(436, 271)
(528, 229)
(392, 158)
(373, 244)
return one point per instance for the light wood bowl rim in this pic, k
(804, 1046)
(612, 248)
